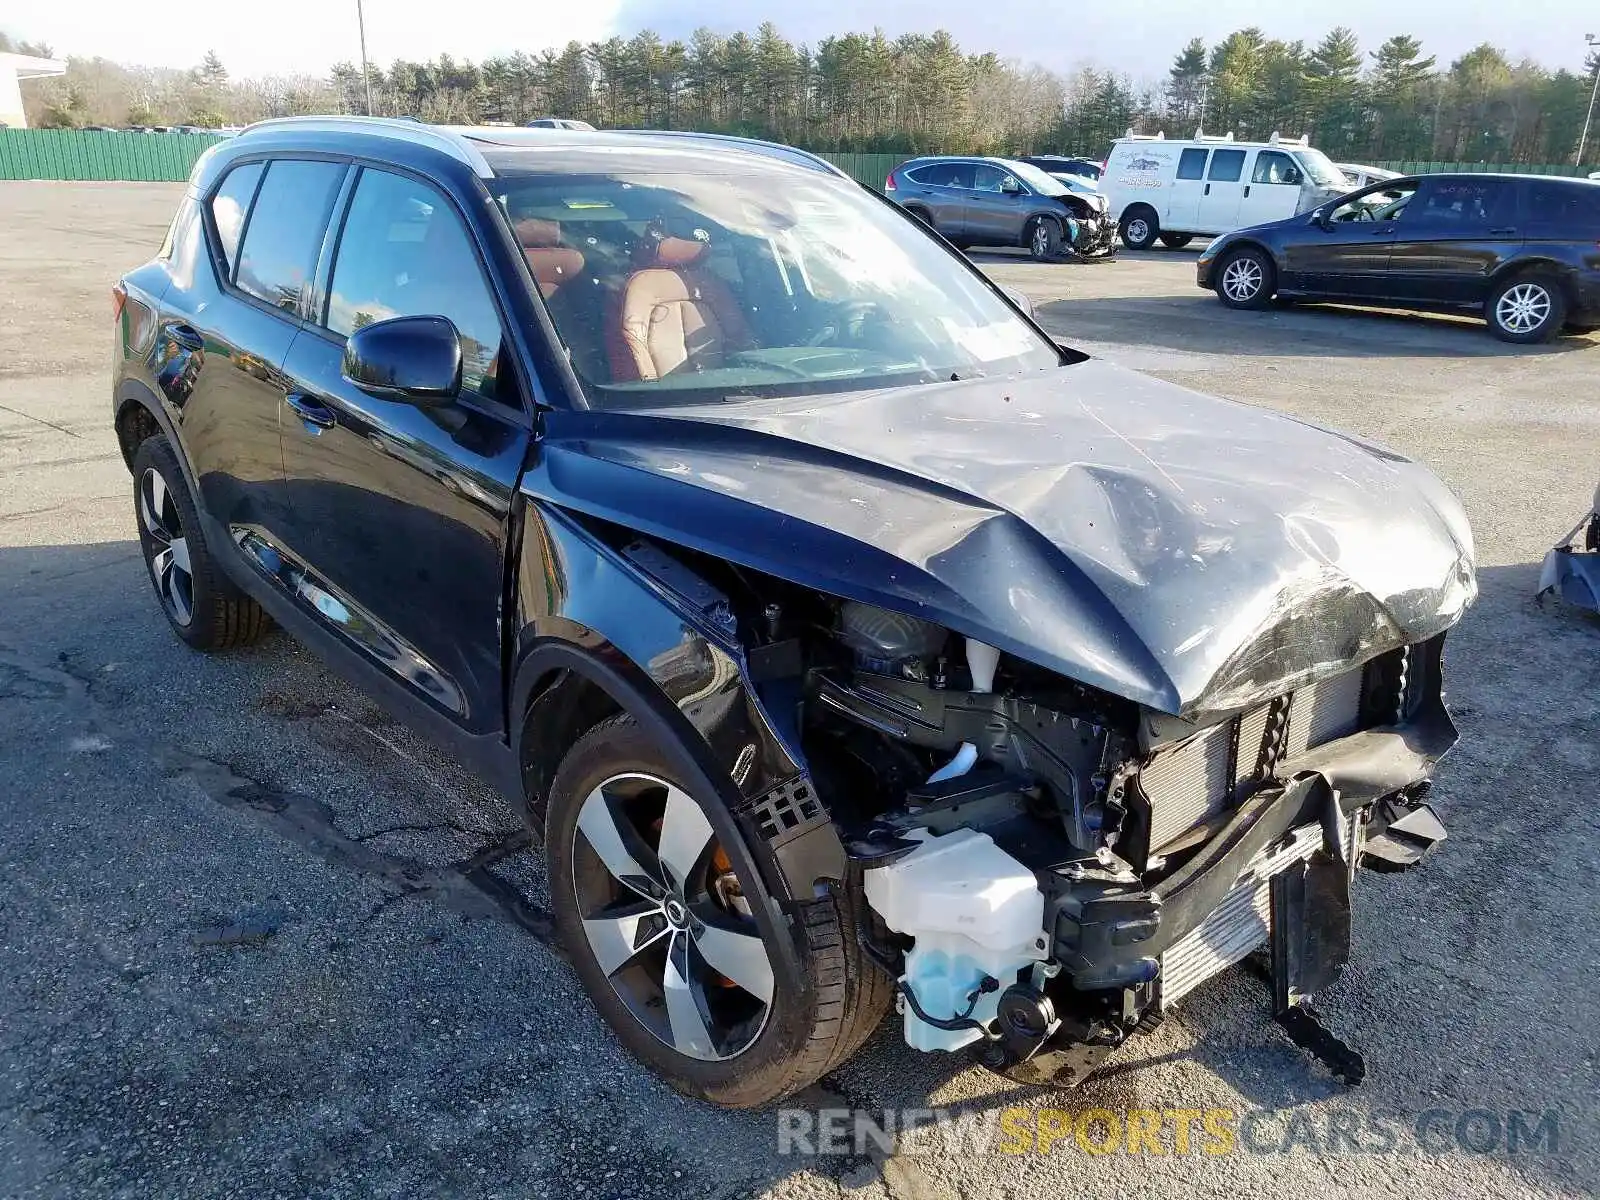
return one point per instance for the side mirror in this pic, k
(1322, 217)
(1019, 298)
(414, 359)
(1010, 187)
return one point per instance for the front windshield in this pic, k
(1040, 181)
(1320, 170)
(677, 287)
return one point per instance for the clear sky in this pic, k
(1138, 37)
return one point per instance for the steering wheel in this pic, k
(848, 315)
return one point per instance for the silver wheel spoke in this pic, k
(691, 1033)
(161, 568)
(742, 957)
(616, 940)
(600, 827)
(180, 555)
(685, 834)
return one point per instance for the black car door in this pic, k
(226, 332)
(1451, 238)
(400, 514)
(1346, 253)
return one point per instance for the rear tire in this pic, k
(1176, 241)
(1527, 309)
(1246, 279)
(1140, 227)
(1043, 239)
(745, 1053)
(201, 604)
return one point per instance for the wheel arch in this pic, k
(139, 414)
(1545, 264)
(601, 630)
(585, 669)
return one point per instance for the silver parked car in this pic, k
(1002, 202)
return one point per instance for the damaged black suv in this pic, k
(843, 636)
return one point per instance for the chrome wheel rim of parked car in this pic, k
(1523, 308)
(1242, 279)
(664, 924)
(168, 553)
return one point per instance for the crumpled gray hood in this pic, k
(1190, 553)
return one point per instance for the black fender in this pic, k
(641, 629)
(136, 392)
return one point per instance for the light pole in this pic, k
(1591, 41)
(366, 77)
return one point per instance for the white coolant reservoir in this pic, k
(973, 911)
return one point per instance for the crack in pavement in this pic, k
(469, 887)
(17, 412)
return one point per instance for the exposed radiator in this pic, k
(1207, 774)
(1237, 926)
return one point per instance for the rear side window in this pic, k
(1192, 164)
(279, 255)
(405, 253)
(1566, 204)
(1273, 167)
(230, 206)
(935, 174)
(1461, 202)
(1226, 166)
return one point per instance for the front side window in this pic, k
(1192, 164)
(987, 178)
(1380, 204)
(405, 253)
(689, 287)
(1319, 168)
(278, 257)
(1273, 167)
(1226, 166)
(230, 206)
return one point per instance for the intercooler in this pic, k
(1187, 783)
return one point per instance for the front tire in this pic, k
(1527, 309)
(660, 931)
(201, 604)
(1246, 279)
(1044, 239)
(1140, 227)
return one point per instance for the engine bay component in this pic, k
(974, 913)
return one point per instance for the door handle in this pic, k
(185, 335)
(1503, 231)
(315, 415)
(1247, 189)
(1207, 192)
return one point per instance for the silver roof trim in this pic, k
(433, 136)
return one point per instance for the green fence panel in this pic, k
(1413, 167)
(869, 169)
(86, 154)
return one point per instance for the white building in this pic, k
(13, 69)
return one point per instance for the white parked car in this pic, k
(1358, 175)
(1173, 190)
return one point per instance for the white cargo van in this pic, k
(1173, 190)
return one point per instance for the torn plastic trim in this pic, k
(1573, 569)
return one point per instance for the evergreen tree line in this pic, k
(915, 93)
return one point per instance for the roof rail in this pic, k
(769, 149)
(398, 128)
(1277, 139)
(1131, 136)
(1201, 136)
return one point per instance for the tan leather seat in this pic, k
(674, 316)
(552, 264)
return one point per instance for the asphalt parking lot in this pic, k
(257, 939)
